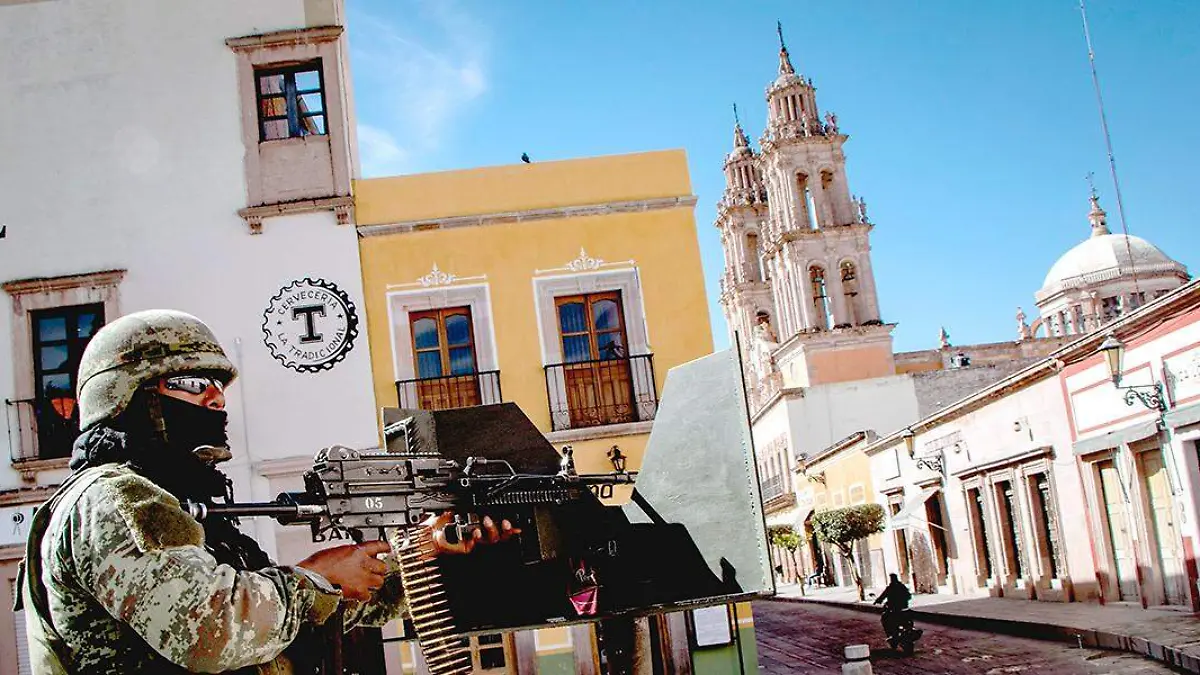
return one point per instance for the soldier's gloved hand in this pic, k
(353, 568)
(488, 533)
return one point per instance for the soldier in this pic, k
(120, 580)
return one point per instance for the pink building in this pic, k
(1074, 479)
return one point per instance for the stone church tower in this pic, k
(798, 289)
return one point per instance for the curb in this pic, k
(1083, 637)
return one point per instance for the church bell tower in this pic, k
(812, 246)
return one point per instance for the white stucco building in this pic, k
(1061, 483)
(197, 158)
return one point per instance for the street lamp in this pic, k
(617, 459)
(1150, 395)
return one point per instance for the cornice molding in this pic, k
(343, 208)
(52, 284)
(27, 495)
(286, 38)
(532, 215)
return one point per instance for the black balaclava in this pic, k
(175, 465)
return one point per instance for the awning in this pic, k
(792, 517)
(913, 511)
(1115, 439)
(801, 517)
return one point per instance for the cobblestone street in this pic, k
(795, 638)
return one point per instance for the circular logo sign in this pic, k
(310, 325)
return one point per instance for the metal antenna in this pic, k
(736, 121)
(1112, 161)
(779, 29)
(1090, 177)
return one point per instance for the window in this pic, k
(291, 101)
(443, 345)
(1006, 500)
(850, 289)
(1046, 525)
(753, 272)
(979, 532)
(1110, 308)
(487, 653)
(937, 531)
(59, 338)
(599, 377)
(823, 313)
(591, 327)
(895, 504)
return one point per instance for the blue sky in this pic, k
(972, 123)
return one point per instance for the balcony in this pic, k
(775, 494)
(452, 391)
(601, 392)
(40, 429)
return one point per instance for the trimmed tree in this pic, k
(786, 538)
(842, 528)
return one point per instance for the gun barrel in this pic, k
(281, 512)
(623, 478)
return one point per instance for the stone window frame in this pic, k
(1041, 562)
(401, 304)
(31, 295)
(981, 531)
(627, 281)
(1017, 470)
(280, 49)
(1009, 558)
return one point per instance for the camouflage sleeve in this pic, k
(142, 558)
(387, 604)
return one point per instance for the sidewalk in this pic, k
(1172, 637)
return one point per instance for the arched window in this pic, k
(808, 211)
(822, 314)
(850, 291)
(753, 256)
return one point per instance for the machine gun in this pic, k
(349, 493)
(428, 468)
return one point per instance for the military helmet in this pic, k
(140, 347)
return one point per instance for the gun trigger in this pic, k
(452, 533)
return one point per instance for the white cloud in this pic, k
(418, 75)
(379, 152)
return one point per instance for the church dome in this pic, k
(1108, 256)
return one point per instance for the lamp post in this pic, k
(1150, 395)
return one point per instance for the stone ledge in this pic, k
(285, 38)
(532, 215)
(342, 207)
(29, 468)
(605, 431)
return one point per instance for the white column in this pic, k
(869, 301)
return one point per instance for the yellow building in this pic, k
(569, 288)
(836, 477)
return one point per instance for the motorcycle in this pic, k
(904, 634)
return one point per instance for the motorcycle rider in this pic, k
(895, 598)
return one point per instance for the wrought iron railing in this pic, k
(771, 487)
(603, 391)
(453, 391)
(41, 428)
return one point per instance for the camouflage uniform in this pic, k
(127, 585)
